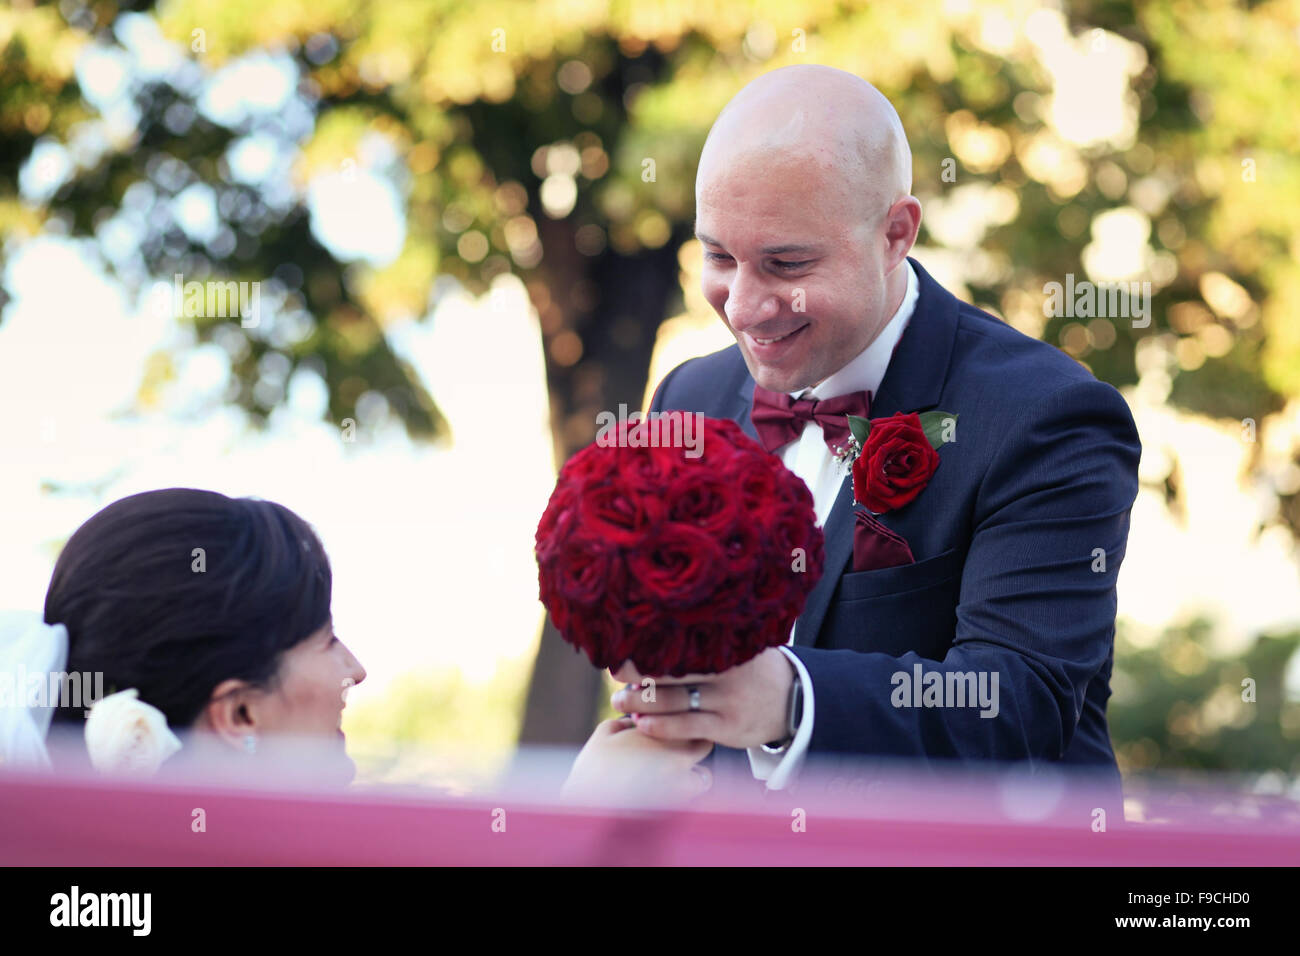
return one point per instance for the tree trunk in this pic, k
(615, 304)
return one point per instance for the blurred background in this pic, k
(461, 229)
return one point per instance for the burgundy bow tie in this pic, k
(780, 419)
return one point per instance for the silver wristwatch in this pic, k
(794, 713)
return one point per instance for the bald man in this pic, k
(804, 213)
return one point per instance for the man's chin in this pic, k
(776, 379)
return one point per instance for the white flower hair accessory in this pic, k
(125, 735)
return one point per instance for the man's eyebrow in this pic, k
(784, 249)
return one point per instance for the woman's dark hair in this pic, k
(174, 591)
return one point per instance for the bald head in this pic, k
(818, 115)
(804, 215)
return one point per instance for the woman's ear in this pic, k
(228, 713)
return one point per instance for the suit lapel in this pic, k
(744, 404)
(913, 382)
(918, 369)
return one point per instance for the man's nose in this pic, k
(749, 304)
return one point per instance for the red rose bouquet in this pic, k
(679, 564)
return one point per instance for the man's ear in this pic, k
(902, 222)
(229, 712)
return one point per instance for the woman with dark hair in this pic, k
(206, 616)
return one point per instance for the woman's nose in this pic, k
(356, 671)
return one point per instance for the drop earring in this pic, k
(250, 744)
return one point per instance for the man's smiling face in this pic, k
(794, 263)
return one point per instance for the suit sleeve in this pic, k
(781, 771)
(1037, 604)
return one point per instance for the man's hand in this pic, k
(741, 707)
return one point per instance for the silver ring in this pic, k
(693, 693)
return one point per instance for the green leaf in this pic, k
(859, 427)
(935, 424)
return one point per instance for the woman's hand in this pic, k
(619, 765)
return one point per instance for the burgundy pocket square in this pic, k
(876, 547)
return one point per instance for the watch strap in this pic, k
(794, 714)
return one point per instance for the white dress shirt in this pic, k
(810, 459)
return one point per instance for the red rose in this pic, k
(795, 492)
(705, 500)
(733, 437)
(600, 634)
(559, 608)
(591, 567)
(588, 465)
(618, 513)
(790, 530)
(728, 601)
(895, 465)
(677, 566)
(755, 481)
(557, 523)
(651, 468)
(773, 582)
(740, 548)
(642, 615)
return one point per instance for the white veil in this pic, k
(28, 647)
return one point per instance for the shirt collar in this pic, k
(866, 371)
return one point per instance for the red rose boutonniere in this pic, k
(893, 458)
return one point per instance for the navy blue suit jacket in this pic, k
(1006, 534)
